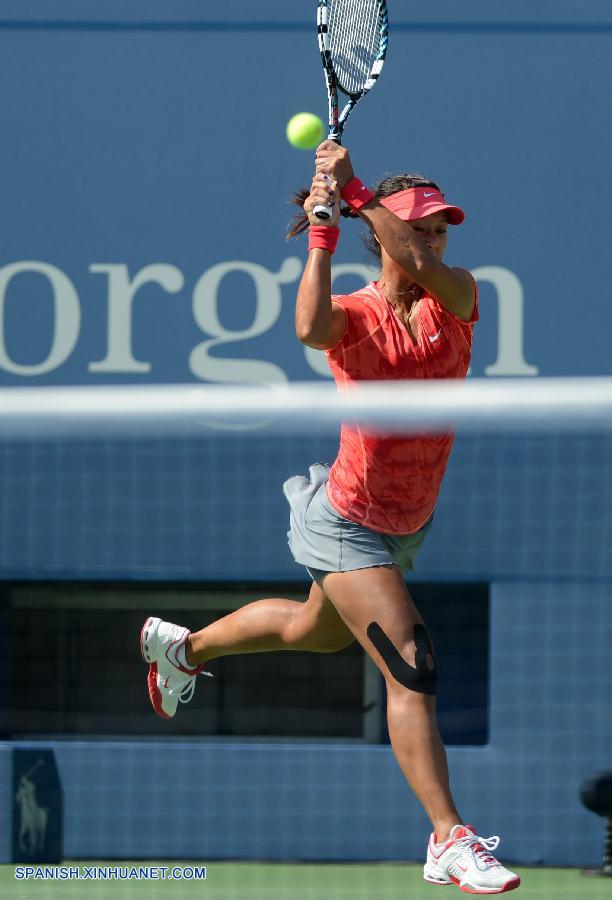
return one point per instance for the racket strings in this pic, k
(354, 41)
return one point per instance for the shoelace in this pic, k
(185, 693)
(481, 847)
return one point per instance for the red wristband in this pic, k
(323, 237)
(356, 194)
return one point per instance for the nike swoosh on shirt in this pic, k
(429, 195)
(434, 337)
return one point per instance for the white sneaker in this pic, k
(466, 860)
(169, 681)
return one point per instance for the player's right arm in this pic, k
(319, 322)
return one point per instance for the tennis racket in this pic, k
(353, 37)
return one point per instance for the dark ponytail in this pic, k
(299, 223)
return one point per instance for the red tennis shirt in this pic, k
(391, 484)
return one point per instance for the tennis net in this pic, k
(120, 502)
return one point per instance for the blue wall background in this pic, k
(134, 140)
(549, 728)
(144, 181)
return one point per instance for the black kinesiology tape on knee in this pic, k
(420, 677)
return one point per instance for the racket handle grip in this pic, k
(323, 212)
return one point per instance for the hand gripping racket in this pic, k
(353, 37)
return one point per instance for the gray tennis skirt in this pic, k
(324, 541)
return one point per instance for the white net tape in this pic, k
(495, 406)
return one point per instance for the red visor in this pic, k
(418, 202)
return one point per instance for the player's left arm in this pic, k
(452, 288)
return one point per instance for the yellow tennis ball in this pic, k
(305, 131)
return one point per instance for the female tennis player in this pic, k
(358, 525)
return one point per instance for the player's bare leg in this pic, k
(379, 595)
(272, 624)
(378, 609)
(175, 657)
